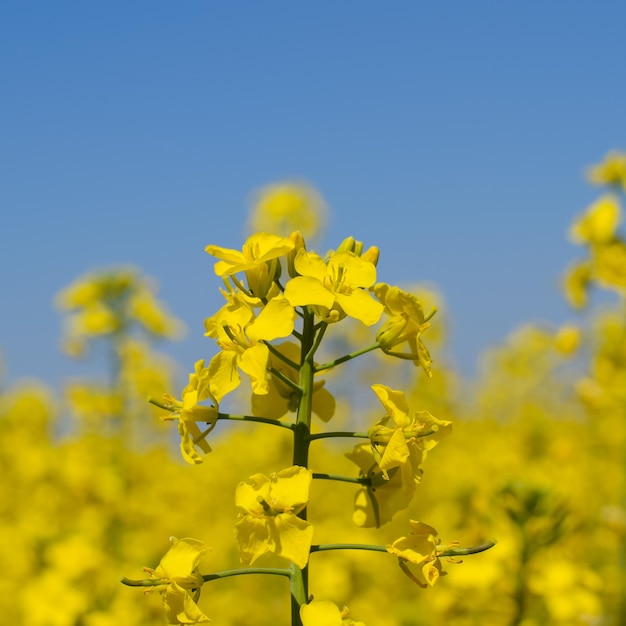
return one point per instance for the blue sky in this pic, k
(452, 135)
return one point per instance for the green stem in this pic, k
(253, 418)
(285, 379)
(155, 582)
(343, 479)
(301, 434)
(465, 551)
(275, 571)
(339, 433)
(323, 547)
(277, 353)
(347, 357)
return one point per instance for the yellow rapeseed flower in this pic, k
(612, 171)
(181, 581)
(269, 516)
(419, 548)
(598, 224)
(286, 207)
(335, 288)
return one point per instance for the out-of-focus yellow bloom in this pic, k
(259, 259)
(567, 339)
(419, 548)
(335, 289)
(325, 613)
(612, 171)
(181, 581)
(152, 315)
(398, 439)
(576, 284)
(241, 336)
(281, 398)
(286, 207)
(108, 301)
(598, 224)
(91, 403)
(269, 516)
(387, 493)
(609, 264)
(406, 323)
(572, 592)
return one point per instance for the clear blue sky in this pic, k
(454, 135)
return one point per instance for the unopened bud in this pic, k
(371, 254)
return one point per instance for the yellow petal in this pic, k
(320, 613)
(252, 535)
(360, 305)
(304, 290)
(182, 558)
(223, 374)
(254, 363)
(291, 538)
(275, 321)
(291, 487)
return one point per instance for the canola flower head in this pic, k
(567, 339)
(269, 506)
(335, 288)
(325, 613)
(398, 438)
(419, 548)
(612, 170)
(284, 207)
(188, 413)
(241, 335)
(181, 581)
(598, 224)
(257, 250)
(388, 492)
(405, 325)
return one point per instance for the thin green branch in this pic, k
(285, 379)
(163, 405)
(276, 352)
(318, 340)
(347, 546)
(339, 433)
(343, 479)
(253, 418)
(465, 551)
(275, 571)
(346, 357)
(155, 582)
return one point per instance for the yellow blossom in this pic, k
(398, 439)
(181, 581)
(386, 492)
(612, 171)
(188, 413)
(567, 339)
(241, 336)
(269, 516)
(335, 288)
(598, 224)
(259, 259)
(285, 207)
(576, 284)
(419, 548)
(406, 323)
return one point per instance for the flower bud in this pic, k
(371, 254)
